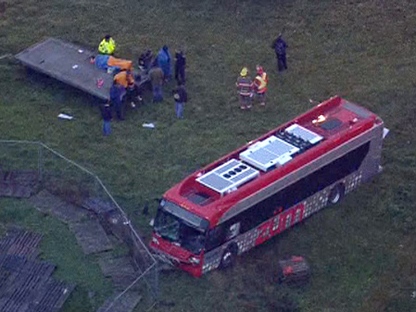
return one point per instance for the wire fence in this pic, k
(36, 165)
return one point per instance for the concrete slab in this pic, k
(91, 236)
(125, 303)
(111, 266)
(69, 63)
(53, 205)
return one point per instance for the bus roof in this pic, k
(212, 190)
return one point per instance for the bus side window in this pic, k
(215, 237)
(233, 230)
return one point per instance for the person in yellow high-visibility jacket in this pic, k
(260, 84)
(107, 45)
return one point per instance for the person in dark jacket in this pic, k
(145, 61)
(180, 64)
(181, 97)
(280, 46)
(106, 115)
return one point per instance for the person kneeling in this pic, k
(125, 78)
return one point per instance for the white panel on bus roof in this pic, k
(268, 153)
(228, 176)
(304, 133)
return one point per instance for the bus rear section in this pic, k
(267, 186)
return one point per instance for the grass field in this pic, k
(362, 253)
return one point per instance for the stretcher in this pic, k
(70, 64)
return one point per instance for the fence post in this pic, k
(40, 162)
(156, 281)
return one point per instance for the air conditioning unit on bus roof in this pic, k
(269, 153)
(228, 176)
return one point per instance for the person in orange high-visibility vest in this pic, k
(125, 79)
(260, 84)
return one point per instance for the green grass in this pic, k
(362, 252)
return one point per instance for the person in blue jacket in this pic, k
(117, 93)
(164, 61)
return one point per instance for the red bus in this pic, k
(267, 186)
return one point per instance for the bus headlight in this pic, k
(194, 260)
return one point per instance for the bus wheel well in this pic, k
(336, 193)
(229, 256)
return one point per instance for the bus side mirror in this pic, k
(385, 132)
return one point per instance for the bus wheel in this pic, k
(336, 194)
(229, 256)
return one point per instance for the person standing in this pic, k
(106, 115)
(145, 61)
(181, 97)
(107, 45)
(280, 46)
(245, 89)
(164, 60)
(156, 77)
(180, 64)
(260, 84)
(117, 92)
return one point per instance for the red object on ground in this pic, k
(293, 271)
(100, 82)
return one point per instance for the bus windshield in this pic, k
(171, 223)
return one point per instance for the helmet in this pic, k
(244, 72)
(259, 69)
